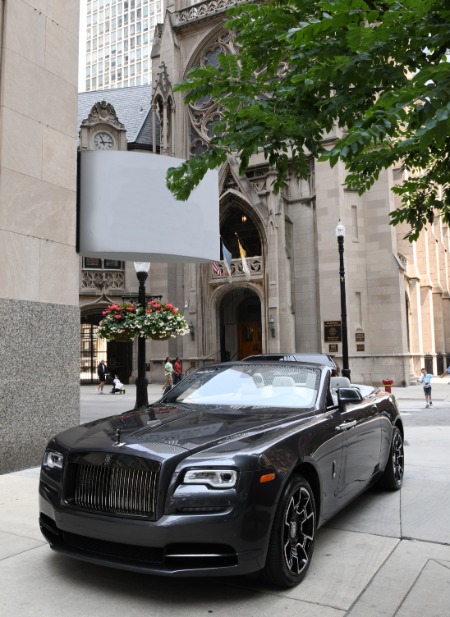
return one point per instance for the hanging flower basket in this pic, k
(121, 337)
(157, 321)
(160, 337)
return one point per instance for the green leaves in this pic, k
(379, 70)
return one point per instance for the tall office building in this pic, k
(119, 37)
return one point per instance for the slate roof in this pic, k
(133, 109)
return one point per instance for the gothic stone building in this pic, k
(397, 292)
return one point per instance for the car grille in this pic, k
(120, 485)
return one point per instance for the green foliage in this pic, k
(377, 71)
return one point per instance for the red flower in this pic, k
(118, 316)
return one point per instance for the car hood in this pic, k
(168, 429)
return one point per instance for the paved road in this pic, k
(388, 554)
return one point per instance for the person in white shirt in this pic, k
(118, 386)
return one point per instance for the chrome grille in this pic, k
(123, 487)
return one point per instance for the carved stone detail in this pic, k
(103, 112)
(255, 265)
(203, 10)
(258, 177)
(205, 112)
(98, 279)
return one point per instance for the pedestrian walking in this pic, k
(102, 370)
(177, 371)
(168, 380)
(425, 380)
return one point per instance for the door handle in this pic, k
(346, 425)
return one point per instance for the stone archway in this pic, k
(239, 324)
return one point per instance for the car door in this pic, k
(360, 425)
(327, 446)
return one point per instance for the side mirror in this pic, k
(349, 395)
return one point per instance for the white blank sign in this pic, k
(128, 213)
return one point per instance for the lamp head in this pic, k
(340, 230)
(142, 266)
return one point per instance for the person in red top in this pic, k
(177, 371)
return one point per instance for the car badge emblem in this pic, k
(107, 460)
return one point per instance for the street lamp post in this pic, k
(142, 268)
(340, 233)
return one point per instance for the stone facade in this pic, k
(397, 293)
(39, 311)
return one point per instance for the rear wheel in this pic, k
(292, 539)
(392, 478)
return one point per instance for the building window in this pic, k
(92, 263)
(355, 232)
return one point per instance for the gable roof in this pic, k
(132, 106)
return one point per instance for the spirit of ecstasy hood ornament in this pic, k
(117, 437)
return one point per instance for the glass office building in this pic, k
(119, 37)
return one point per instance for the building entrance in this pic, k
(240, 324)
(118, 356)
(250, 342)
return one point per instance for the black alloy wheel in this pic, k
(291, 543)
(392, 478)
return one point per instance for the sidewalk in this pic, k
(386, 555)
(440, 387)
(94, 406)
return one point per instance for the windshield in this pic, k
(268, 385)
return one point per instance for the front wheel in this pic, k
(291, 542)
(392, 478)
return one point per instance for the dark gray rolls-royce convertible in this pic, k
(231, 472)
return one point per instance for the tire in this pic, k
(291, 543)
(392, 478)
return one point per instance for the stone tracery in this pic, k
(205, 112)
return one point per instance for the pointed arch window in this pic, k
(205, 112)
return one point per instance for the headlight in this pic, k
(215, 478)
(53, 460)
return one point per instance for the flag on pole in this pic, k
(216, 268)
(245, 267)
(227, 261)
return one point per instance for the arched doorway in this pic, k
(240, 324)
(237, 223)
(118, 356)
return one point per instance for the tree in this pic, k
(376, 72)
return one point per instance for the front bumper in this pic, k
(230, 540)
(188, 545)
